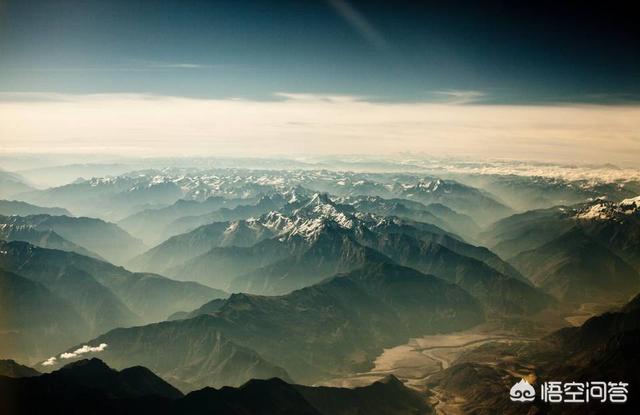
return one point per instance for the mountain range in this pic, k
(107, 240)
(320, 331)
(101, 296)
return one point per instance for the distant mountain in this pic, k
(12, 184)
(434, 213)
(43, 238)
(615, 225)
(178, 249)
(535, 192)
(242, 211)
(51, 176)
(479, 205)
(15, 207)
(111, 198)
(153, 224)
(12, 369)
(105, 239)
(98, 306)
(421, 232)
(34, 322)
(308, 242)
(496, 291)
(575, 268)
(336, 326)
(331, 252)
(220, 266)
(525, 231)
(105, 295)
(89, 386)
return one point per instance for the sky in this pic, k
(505, 79)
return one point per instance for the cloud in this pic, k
(318, 124)
(84, 349)
(49, 362)
(129, 66)
(455, 96)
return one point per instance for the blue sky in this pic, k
(394, 51)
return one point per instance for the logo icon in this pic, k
(522, 392)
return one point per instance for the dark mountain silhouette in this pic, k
(90, 386)
(12, 369)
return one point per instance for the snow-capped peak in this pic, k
(608, 210)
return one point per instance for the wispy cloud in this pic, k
(456, 96)
(76, 353)
(50, 361)
(359, 23)
(84, 349)
(132, 66)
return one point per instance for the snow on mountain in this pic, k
(607, 210)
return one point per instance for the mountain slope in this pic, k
(392, 225)
(105, 239)
(615, 225)
(34, 322)
(12, 184)
(15, 207)
(178, 249)
(479, 205)
(188, 353)
(112, 198)
(575, 268)
(434, 213)
(90, 285)
(330, 253)
(499, 293)
(241, 210)
(43, 238)
(340, 324)
(220, 266)
(153, 224)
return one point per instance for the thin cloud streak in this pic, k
(359, 23)
(134, 124)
